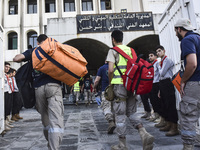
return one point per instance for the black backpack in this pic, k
(24, 81)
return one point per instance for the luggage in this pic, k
(139, 74)
(72, 98)
(25, 84)
(62, 62)
(109, 93)
(176, 79)
(98, 100)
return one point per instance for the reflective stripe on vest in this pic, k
(76, 87)
(121, 64)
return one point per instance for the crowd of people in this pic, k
(164, 103)
(82, 90)
(12, 98)
(162, 96)
(49, 102)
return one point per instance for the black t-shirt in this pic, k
(87, 83)
(39, 78)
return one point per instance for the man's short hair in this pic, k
(117, 35)
(181, 28)
(41, 38)
(30, 47)
(160, 47)
(154, 53)
(6, 63)
(11, 70)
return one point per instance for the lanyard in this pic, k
(162, 61)
(13, 83)
(154, 62)
(12, 88)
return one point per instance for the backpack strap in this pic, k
(134, 54)
(118, 69)
(57, 63)
(121, 52)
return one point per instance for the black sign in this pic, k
(110, 22)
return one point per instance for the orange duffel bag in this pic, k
(62, 62)
(176, 79)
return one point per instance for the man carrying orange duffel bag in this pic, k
(47, 77)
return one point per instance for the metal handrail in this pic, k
(1, 28)
(167, 10)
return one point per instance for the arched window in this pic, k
(13, 7)
(32, 38)
(12, 40)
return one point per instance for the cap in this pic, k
(185, 23)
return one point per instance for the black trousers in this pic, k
(17, 103)
(8, 101)
(145, 102)
(168, 101)
(154, 99)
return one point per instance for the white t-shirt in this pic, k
(6, 86)
(15, 85)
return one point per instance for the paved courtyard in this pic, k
(85, 129)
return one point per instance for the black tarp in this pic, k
(24, 81)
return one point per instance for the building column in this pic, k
(97, 7)
(21, 26)
(59, 3)
(78, 7)
(2, 77)
(141, 6)
(2, 12)
(40, 2)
